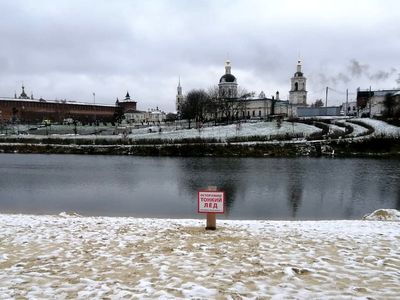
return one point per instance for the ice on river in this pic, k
(69, 256)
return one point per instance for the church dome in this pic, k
(298, 74)
(228, 78)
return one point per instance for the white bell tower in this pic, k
(298, 92)
(179, 98)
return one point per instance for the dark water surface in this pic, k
(297, 188)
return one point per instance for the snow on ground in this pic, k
(336, 129)
(384, 215)
(68, 256)
(229, 131)
(358, 130)
(265, 129)
(381, 127)
(268, 130)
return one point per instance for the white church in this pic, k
(259, 107)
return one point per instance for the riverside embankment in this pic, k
(343, 138)
(372, 147)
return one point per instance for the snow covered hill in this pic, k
(265, 129)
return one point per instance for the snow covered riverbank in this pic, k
(47, 257)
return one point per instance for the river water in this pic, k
(266, 188)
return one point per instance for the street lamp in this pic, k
(1, 122)
(95, 117)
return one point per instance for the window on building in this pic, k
(259, 113)
(254, 113)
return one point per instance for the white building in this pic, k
(349, 108)
(298, 92)
(135, 116)
(261, 108)
(378, 107)
(144, 117)
(227, 86)
(155, 116)
(257, 108)
(372, 102)
(179, 99)
(132, 116)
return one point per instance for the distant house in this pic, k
(150, 116)
(155, 115)
(349, 108)
(377, 103)
(135, 116)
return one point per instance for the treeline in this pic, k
(201, 106)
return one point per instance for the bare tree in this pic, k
(318, 103)
(244, 94)
(389, 104)
(213, 92)
(224, 108)
(212, 109)
(195, 106)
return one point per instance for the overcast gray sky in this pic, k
(70, 49)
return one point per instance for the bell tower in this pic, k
(179, 98)
(298, 92)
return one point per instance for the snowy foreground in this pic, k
(72, 257)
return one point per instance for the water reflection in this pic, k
(302, 188)
(295, 188)
(196, 174)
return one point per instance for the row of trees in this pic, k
(201, 105)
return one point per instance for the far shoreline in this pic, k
(376, 147)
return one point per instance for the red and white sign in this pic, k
(211, 202)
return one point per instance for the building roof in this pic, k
(133, 111)
(156, 112)
(374, 91)
(298, 74)
(385, 92)
(55, 101)
(227, 78)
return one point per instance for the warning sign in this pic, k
(211, 202)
